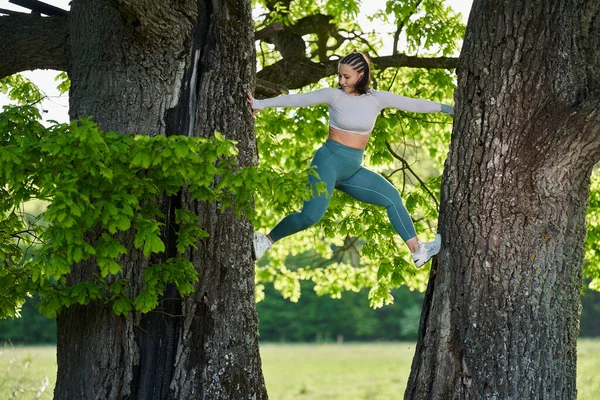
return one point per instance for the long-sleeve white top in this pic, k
(354, 114)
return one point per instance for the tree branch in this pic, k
(33, 42)
(402, 60)
(11, 12)
(40, 7)
(295, 70)
(288, 39)
(269, 89)
(269, 30)
(407, 167)
(294, 74)
(400, 24)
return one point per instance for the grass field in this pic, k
(373, 371)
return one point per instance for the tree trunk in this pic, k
(501, 313)
(169, 69)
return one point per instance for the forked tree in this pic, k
(501, 312)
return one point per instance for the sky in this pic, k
(57, 106)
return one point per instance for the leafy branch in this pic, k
(98, 185)
(406, 166)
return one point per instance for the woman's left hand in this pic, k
(251, 102)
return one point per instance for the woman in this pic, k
(353, 109)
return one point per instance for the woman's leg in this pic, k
(314, 208)
(370, 187)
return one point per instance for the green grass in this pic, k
(27, 372)
(588, 368)
(330, 371)
(374, 371)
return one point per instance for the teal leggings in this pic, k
(340, 168)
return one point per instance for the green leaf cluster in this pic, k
(591, 267)
(64, 83)
(360, 246)
(429, 25)
(20, 89)
(101, 188)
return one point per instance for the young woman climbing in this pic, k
(353, 109)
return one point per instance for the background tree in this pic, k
(154, 70)
(501, 313)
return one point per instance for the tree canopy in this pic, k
(298, 44)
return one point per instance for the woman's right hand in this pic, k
(251, 102)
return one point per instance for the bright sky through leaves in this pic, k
(57, 106)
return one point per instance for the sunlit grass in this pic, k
(330, 371)
(588, 369)
(374, 371)
(27, 372)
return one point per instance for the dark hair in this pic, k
(360, 63)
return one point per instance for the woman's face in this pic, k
(347, 76)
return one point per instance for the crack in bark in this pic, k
(156, 20)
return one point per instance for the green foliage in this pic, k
(20, 89)
(591, 267)
(590, 312)
(340, 12)
(322, 319)
(30, 328)
(312, 318)
(64, 84)
(98, 186)
(361, 248)
(402, 147)
(429, 24)
(346, 12)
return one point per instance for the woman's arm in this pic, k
(391, 100)
(321, 96)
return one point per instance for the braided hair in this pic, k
(360, 63)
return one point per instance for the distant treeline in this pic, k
(312, 319)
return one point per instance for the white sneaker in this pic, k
(426, 251)
(261, 244)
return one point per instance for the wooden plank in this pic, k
(11, 12)
(42, 8)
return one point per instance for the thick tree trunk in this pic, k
(136, 67)
(501, 314)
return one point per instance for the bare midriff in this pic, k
(354, 140)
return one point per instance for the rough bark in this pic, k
(220, 323)
(187, 76)
(31, 42)
(501, 314)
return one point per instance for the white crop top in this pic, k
(354, 114)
